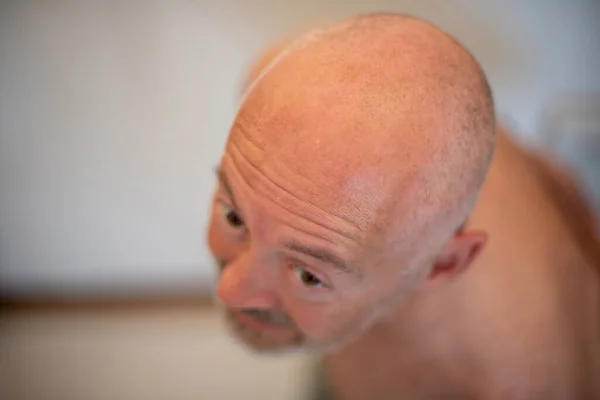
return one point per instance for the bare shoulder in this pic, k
(531, 198)
(544, 251)
(566, 190)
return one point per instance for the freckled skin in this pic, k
(373, 141)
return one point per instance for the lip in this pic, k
(257, 325)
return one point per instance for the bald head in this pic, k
(395, 110)
(356, 153)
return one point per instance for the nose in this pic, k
(245, 286)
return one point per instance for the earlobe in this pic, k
(457, 256)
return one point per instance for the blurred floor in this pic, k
(154, 353)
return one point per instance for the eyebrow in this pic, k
(320, 254)
(226, 186)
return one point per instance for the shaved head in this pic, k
(398, 103)
(373, 137)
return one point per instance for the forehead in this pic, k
(278, 217)
(274, 188)
(308, 173)
(346, 210)
(320, 146)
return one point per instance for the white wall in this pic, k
(112, 116)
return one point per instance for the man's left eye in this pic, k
(306, 278)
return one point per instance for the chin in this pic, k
(264, 342)
(291, 342)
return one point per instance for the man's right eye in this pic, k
(233, 218)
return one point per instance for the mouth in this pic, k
(256, 324)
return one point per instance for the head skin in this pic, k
(356, 155)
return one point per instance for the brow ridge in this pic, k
(320, 254)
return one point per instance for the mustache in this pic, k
(270, 317)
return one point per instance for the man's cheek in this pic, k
(317, 321)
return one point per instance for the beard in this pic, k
(287, 338)
(281, 340)
(284, 338)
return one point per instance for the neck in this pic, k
(418, 341)
(420, 322)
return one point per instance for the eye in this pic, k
(306, 278)
(233, 218)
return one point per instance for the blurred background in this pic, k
(112, 117)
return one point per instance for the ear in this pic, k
(457, 256)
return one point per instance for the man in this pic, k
(367, 209)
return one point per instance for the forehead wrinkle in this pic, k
(302, 147)
(265, 167)
(239, 129)
(267, 188)
(340, 241)
(348, 206)
(366, 201)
